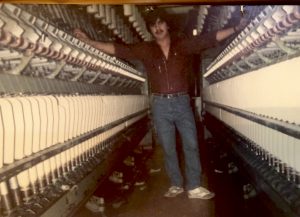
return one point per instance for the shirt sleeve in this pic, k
(195, 45)
(130, 52)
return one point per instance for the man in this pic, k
(166, 60)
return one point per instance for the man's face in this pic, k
(159, 29)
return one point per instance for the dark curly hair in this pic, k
(152, 15)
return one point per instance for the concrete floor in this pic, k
(148, 200)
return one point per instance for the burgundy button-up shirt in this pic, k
(167, 75)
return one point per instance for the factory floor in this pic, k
(144, 197)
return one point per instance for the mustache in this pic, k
(158, 31)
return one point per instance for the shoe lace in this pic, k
(174, 189)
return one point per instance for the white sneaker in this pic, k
(201, 193)
(173, 191)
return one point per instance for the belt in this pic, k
(169, 95)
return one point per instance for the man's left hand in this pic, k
(243, 23)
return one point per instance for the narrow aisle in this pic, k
(150, 202)
(146, 199)
(139, 193)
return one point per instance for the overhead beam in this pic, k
(146, 2)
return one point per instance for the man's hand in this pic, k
(224, 33)
(107, 47)
(78, 33)
(243, 23)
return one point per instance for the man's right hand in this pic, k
(78, 33)
(107, 47)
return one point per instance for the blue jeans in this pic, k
(168, 114)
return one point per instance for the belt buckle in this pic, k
(169, 96)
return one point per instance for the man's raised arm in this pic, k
(106, 47)
(224, 33)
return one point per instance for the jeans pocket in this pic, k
(184, 100)
(152, 100)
